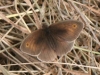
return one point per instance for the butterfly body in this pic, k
(52, 41)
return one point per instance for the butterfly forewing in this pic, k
(66, 30)
(33, 44)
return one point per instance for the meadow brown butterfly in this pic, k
(52, 41)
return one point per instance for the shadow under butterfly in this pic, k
(52, 41)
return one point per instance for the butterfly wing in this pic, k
(47, 54)
(38, 43)
(53, 47)
(32, 44)
(66, 30)
(64, 47)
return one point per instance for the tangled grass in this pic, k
(18, 18)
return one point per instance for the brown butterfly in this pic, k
(52, 41)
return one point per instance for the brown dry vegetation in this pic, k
(19, 17)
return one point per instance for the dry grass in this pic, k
(20, 17)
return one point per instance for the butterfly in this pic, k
(52, 41)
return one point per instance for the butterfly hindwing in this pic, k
(64, 47)
(47, 54)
